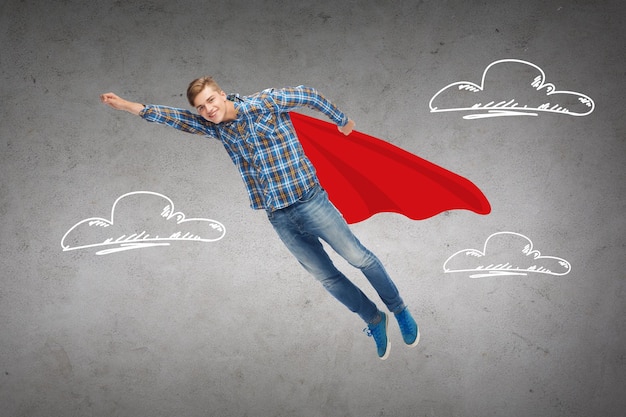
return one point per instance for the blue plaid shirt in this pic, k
(261, 142)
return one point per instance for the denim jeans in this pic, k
(313, 217)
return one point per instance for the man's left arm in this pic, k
(347, 128)
(302, 96)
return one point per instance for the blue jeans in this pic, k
(313, 217)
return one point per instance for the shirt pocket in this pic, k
(265, 125)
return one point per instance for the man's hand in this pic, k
(347, 129)
(118, 103)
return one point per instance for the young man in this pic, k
(259, 137)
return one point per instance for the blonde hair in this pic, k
(199, 84)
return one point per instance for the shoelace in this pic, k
(373, 333)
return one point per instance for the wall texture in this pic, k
(235, 327)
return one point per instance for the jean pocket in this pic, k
(310, 194)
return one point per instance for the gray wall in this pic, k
(236, 327)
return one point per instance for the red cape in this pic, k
(364, 175)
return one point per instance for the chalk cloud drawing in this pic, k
(505, 253)
(510, 87)
(140, 219)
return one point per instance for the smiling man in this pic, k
(259, 137)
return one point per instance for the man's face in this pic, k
(211, 104)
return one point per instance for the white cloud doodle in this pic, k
(505, 253)
(510, 87)
(140, 219)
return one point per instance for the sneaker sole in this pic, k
(417, 340)
(388, 350)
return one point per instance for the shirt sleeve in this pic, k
(291, 98)
(180, 119)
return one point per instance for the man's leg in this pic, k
(309, 251)
(323, 220)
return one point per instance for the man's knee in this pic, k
(330, 282)
(363, 259)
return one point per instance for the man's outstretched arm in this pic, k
(118, 103)
(170, 116)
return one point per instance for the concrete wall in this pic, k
(236, 327)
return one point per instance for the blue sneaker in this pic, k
(379, 333)
(408, 327)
